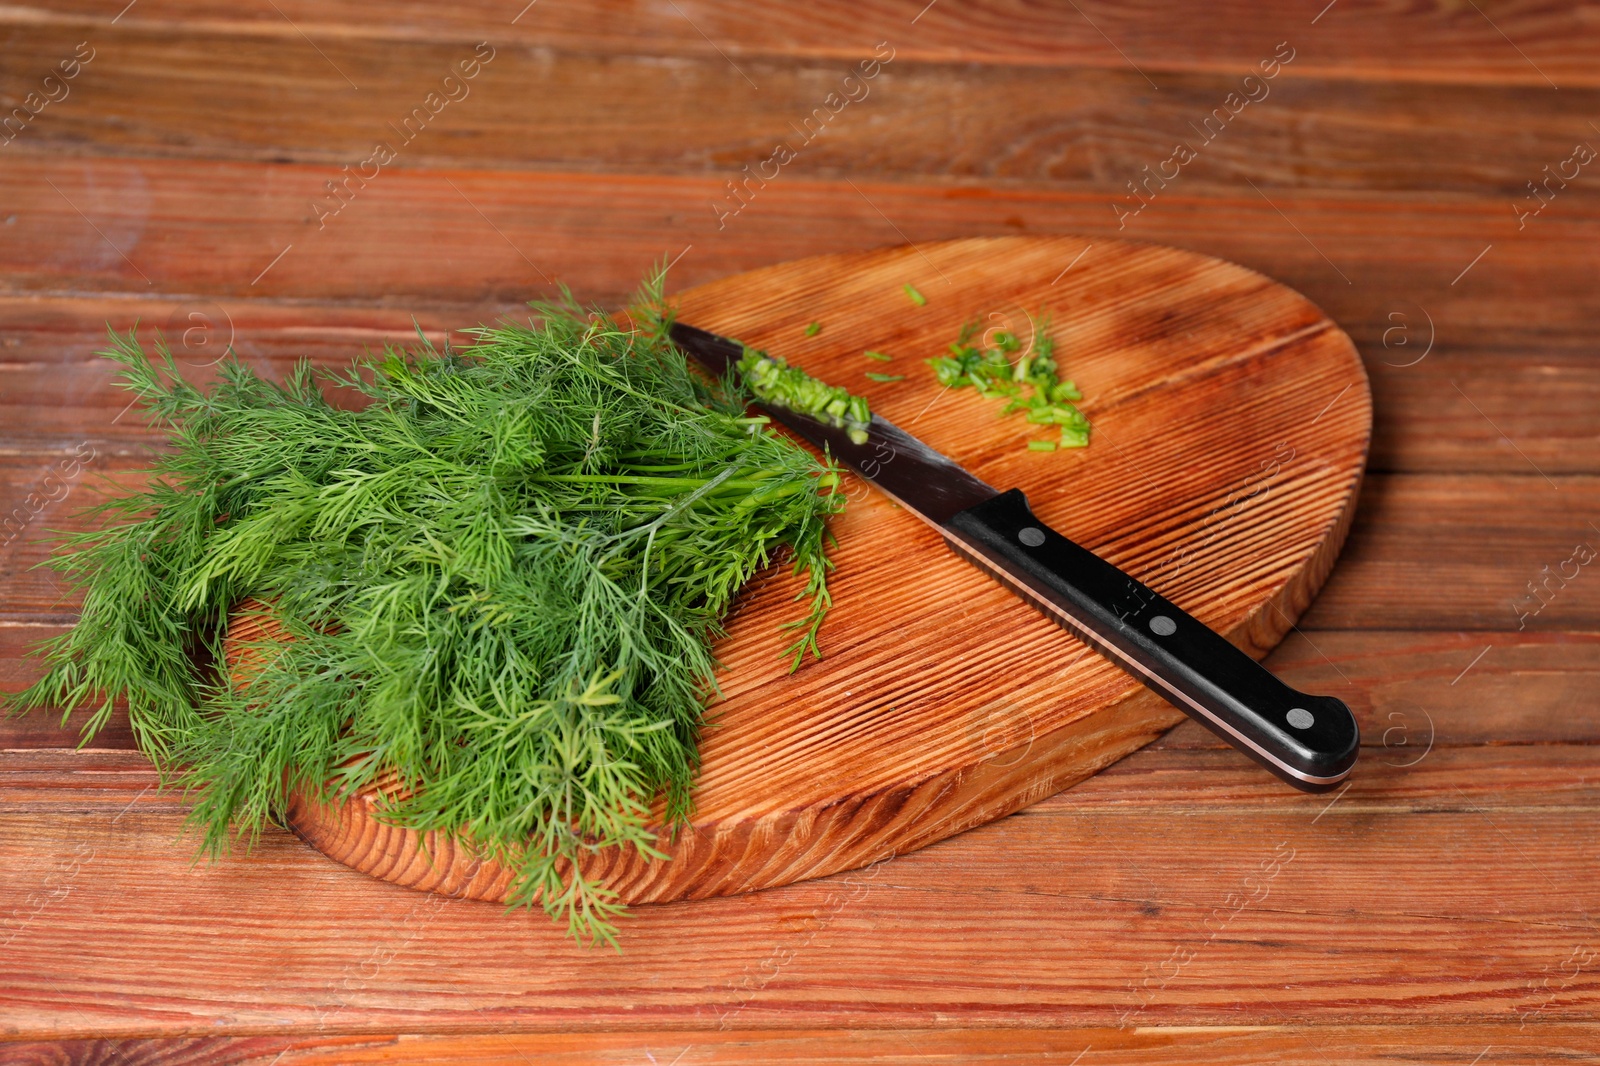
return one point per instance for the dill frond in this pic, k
(502, 578)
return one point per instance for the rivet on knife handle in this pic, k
(1309, 741)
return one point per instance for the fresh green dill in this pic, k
(879, 356)
(500, 578)
(772, 380)
(916, 297)
(871, 376)
(1024, 375)
(814, 329)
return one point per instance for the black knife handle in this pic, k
(1309, 741)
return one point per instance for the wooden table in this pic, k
(1179, 907)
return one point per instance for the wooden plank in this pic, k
(1516, 406)
(1526, 42)
(44, 494)
(59, 392)
(1035, 920)
(19, 666)
(1227, 1045)
(416, 238)
(1414, 691)
(188, 93)
(1489, 553)
(1539, 390)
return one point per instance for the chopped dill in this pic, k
(772, 380)
(871, 376)
(916, 297)
(814, 329)
(879, 356)
(1023, 375)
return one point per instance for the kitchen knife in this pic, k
(1309, 741)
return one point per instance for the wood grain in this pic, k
(1443, 543)
(943, 702)
(1525, 43)
(1055, 917)
(1229, 1045)
(421, 238)
(176, 93)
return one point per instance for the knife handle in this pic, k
(1309, 741)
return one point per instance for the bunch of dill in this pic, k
(501, 577)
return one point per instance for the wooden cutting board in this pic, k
(1231, 419)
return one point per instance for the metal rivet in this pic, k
(1301, 718)
(1162, 626)
(1031, 536)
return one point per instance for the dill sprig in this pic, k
(501, 578)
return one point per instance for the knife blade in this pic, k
(1309, 741)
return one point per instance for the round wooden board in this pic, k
(1231, 421)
